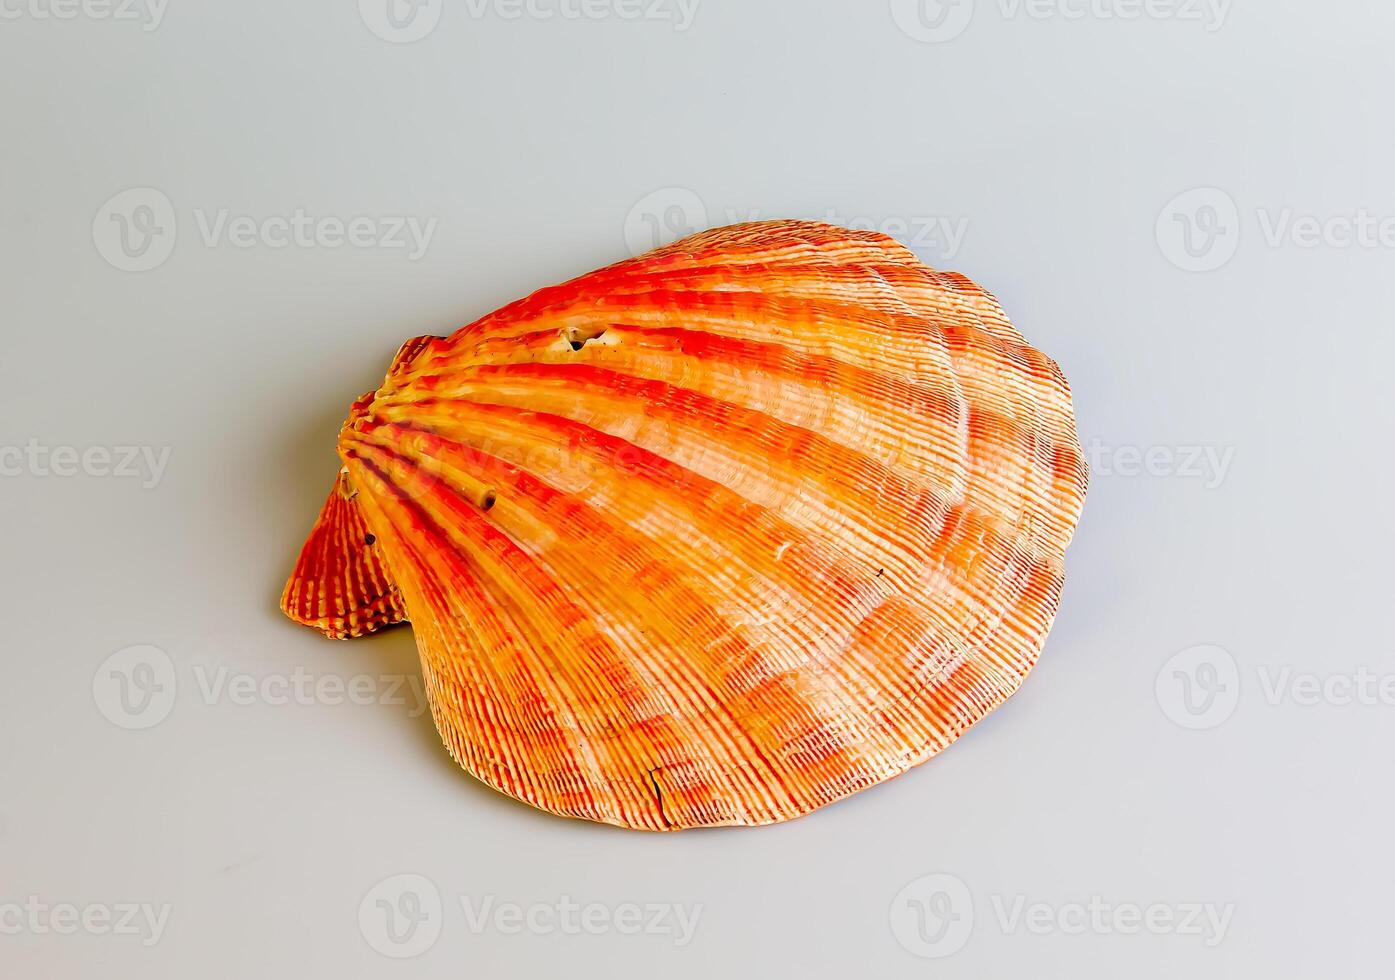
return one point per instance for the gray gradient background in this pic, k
(1060, 141)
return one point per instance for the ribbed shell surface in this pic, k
(717, 535)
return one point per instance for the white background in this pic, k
(1224, 324)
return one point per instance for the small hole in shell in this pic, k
(369, 538)
(579, 337)
(488, 500)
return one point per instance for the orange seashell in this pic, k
(713, 536)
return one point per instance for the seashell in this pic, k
(714, 536)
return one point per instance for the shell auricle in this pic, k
(714, 536)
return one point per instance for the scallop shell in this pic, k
(717, 535)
